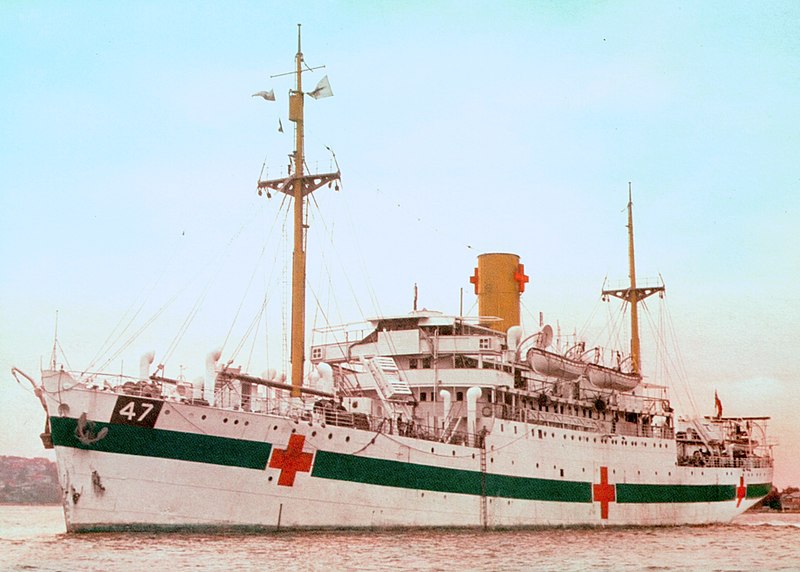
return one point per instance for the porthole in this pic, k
(294, 430)
(313, 433)
(330, 435)
(347, 439)
(246, 423)
(225, 420)
(275, 428)
(203, 417)
(236, 422)
(166, 412)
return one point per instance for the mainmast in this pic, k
(633, 295)
(298, 185)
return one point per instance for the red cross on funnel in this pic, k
(604, 493)
(291, 460)
(521, 277)
(741, 491)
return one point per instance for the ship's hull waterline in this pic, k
(200, 467)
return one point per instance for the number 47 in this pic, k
(129, 411)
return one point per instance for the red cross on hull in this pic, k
(291, 460)
(741, 491)
(604, 493)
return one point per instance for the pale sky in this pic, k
(131, 148)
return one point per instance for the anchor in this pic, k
(85, 431)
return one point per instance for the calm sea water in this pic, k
(33, 538)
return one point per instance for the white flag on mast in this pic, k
(323, 89)
(268, 95)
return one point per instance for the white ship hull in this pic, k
(202, 467)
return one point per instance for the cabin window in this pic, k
(485, 343)
(316, 353)
(423, 396)
(412, 363)
(426, 363)
(459, 396)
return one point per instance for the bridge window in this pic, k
(423, 396)
(459, 396)
(412, 363)
(485, 343)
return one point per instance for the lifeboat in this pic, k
(607, 378)
(555, 365)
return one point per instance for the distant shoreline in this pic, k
(32, 503)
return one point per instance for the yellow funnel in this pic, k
(499, 280)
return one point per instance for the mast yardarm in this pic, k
(633, 295)
(298, 185)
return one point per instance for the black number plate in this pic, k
(136, 411)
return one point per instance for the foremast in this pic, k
(632, 294)
(298, 185)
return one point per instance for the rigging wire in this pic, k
(256, 267)
(329, 236)
(201, 298)
(108, 343)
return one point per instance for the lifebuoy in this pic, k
(487, 411)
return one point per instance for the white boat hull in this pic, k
(200, 467)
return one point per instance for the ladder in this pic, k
(387, 378)
(484, 508)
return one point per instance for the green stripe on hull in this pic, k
(645, 494)
(146, 442)
(758, 491)
(160, 443)
(537, 489)
(339, 467)
(336, 466)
